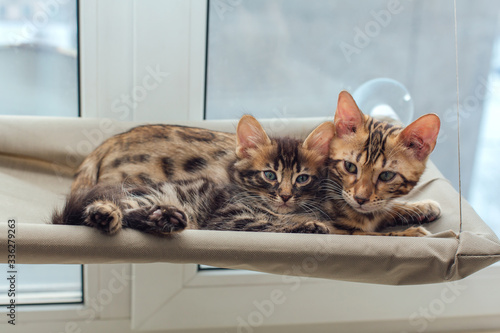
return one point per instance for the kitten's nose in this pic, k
(360, 200)
(285, 197)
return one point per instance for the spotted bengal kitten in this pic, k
(173, 177)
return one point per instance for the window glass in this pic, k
(41, 284)
(480, 104)
(292, 58)
(39, 58)
(39, 76)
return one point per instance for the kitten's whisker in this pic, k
(413, 211)
(331, 185)
(334, 196)
(314, 208)
(397, 215)
(309, 210)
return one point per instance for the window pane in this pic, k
(39, 76)
(480, 105)
(38, 58)
(42, 284)
(292, 58)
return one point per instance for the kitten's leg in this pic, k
(252, 221)
(154, 210)
(291, 224)
(410, 232)
(402, 213)
(156, 219)
(415, 212)
(310, 227)
(104, 215)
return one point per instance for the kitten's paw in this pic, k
(312, 227)
(168, 219)
(104, 215)
(412, 232)
(429, 211)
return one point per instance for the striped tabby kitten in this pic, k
(262, 185)
(372, 165)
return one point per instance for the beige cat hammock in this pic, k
(39, 155)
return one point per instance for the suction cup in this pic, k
(384, 98)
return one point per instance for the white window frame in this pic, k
(123, 41)
(119, 41)
(106, 295)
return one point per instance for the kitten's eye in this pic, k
(387, 176)
(270, 175)
(302, 179)
(350, 167)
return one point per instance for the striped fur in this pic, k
(373, 164)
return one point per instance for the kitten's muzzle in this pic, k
(360, 200)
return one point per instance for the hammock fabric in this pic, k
(39, 155)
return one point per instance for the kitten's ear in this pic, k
(320, 139)
(348, 117)
(249, 135)
(421, 135)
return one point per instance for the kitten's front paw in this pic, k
(104, 215)
(429, 211)
(311, 227)
(413, 232)
(168, 219)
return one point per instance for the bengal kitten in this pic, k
(262, 185)
(372, 165)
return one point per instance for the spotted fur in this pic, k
(162, 152)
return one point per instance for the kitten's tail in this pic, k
(74, 210)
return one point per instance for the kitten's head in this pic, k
(375, 161)
(284, 173)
